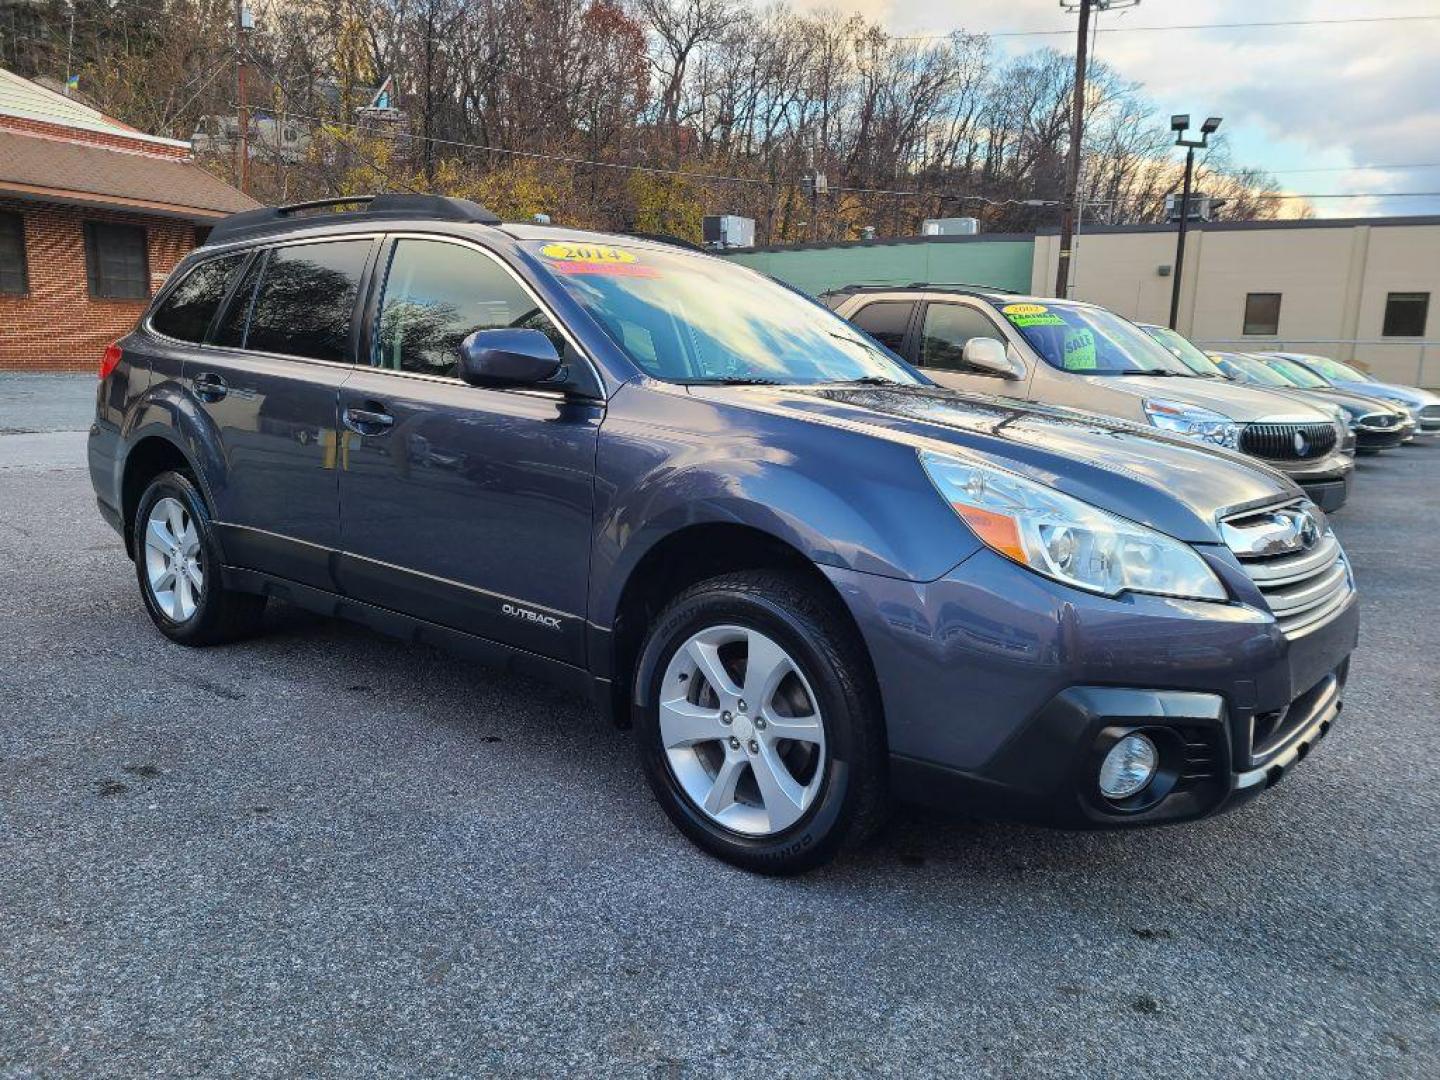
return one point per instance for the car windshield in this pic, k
(1295, 373)
(695, 318)
(1256, 371)
(1335, 370)
(1090, 341)
(1186, 351)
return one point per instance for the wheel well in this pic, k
(146, 460)
(680, 560)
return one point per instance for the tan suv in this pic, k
(1082, 356)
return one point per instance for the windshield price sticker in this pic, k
(598, 259)
(1023, 315)
(1080, 351)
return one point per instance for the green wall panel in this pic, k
(1000, 264)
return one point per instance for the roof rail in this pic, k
(274, 218)
(928, 286)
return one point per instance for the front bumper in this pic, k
(1003, 692)
(1326, 482)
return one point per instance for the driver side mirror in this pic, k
(508, 357)
(989, 356)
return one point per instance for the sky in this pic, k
(1310, 103)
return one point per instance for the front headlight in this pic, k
(1065, 539)
(1193, 421)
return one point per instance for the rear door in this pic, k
(944, 329)
(268, 384)
(467, 507)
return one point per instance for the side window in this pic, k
(1262, 313)
(116, 261)
(14, 278)
(187, 311)
(947, 328)
(1406, 314)
(886, 321)
(436, 294)
(307, 299)
(231, 331)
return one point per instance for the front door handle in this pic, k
(368, 421)
(210, 387)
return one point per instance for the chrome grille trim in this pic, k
(1305, 588)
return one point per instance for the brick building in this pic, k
(93, 216)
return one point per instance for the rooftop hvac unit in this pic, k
(950, 226)
(1202, 207)
(728, 231)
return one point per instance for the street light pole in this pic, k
(1180, 124)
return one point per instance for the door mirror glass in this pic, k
(508, 357)
(987, 356)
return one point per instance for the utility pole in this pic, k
(242, 110)
(1077, 130)
(1180, 124)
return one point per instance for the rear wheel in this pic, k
(177, 563)
(762, 737)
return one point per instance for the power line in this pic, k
(1269, 24)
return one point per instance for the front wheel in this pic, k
(762, 735)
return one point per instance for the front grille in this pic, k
(1288, 442)
(1303, 588)
(1379, 420)
(1430, 418)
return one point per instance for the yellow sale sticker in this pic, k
(1024, 309)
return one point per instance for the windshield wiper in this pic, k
(871, 380)
(734, 380)
(1164, 372)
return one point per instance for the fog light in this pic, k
(1129, 766)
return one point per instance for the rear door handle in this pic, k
(210, 387)
(368, 421)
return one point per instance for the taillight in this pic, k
(108, 362)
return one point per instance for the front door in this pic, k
(268, 384)
(466, 507)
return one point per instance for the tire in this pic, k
(213, 613)
(826, 682)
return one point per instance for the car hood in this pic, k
(1176, 485)
(1405, 395)
(1353, 400)
(1232, 400)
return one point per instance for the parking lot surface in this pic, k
(326, 852)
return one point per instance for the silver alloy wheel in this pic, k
(172, 559)
(742, 730)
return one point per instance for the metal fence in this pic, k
(1389, 359)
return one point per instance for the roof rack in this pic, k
(296, 215)
(928, 286)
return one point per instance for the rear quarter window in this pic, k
(186, 312)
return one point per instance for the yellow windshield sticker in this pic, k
(1080, 350)
(1023, 315)
(590, 253)
(598, 259)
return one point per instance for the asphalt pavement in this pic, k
(323, 852)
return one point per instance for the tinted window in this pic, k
(885, 321)
(116, 262)
(1262, 313)
(436, 295)
(231, 331)
(13, 278)
(306, 300)
(1405, 314)
(187, 311)
(947, 328)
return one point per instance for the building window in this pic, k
(1262, 313)
(13, 278)
(1405, 314)
(116, 261)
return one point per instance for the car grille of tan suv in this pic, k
(1305, 587)
(1288, 442)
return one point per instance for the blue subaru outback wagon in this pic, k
(809, 580)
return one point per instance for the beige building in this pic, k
(1361, 290)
